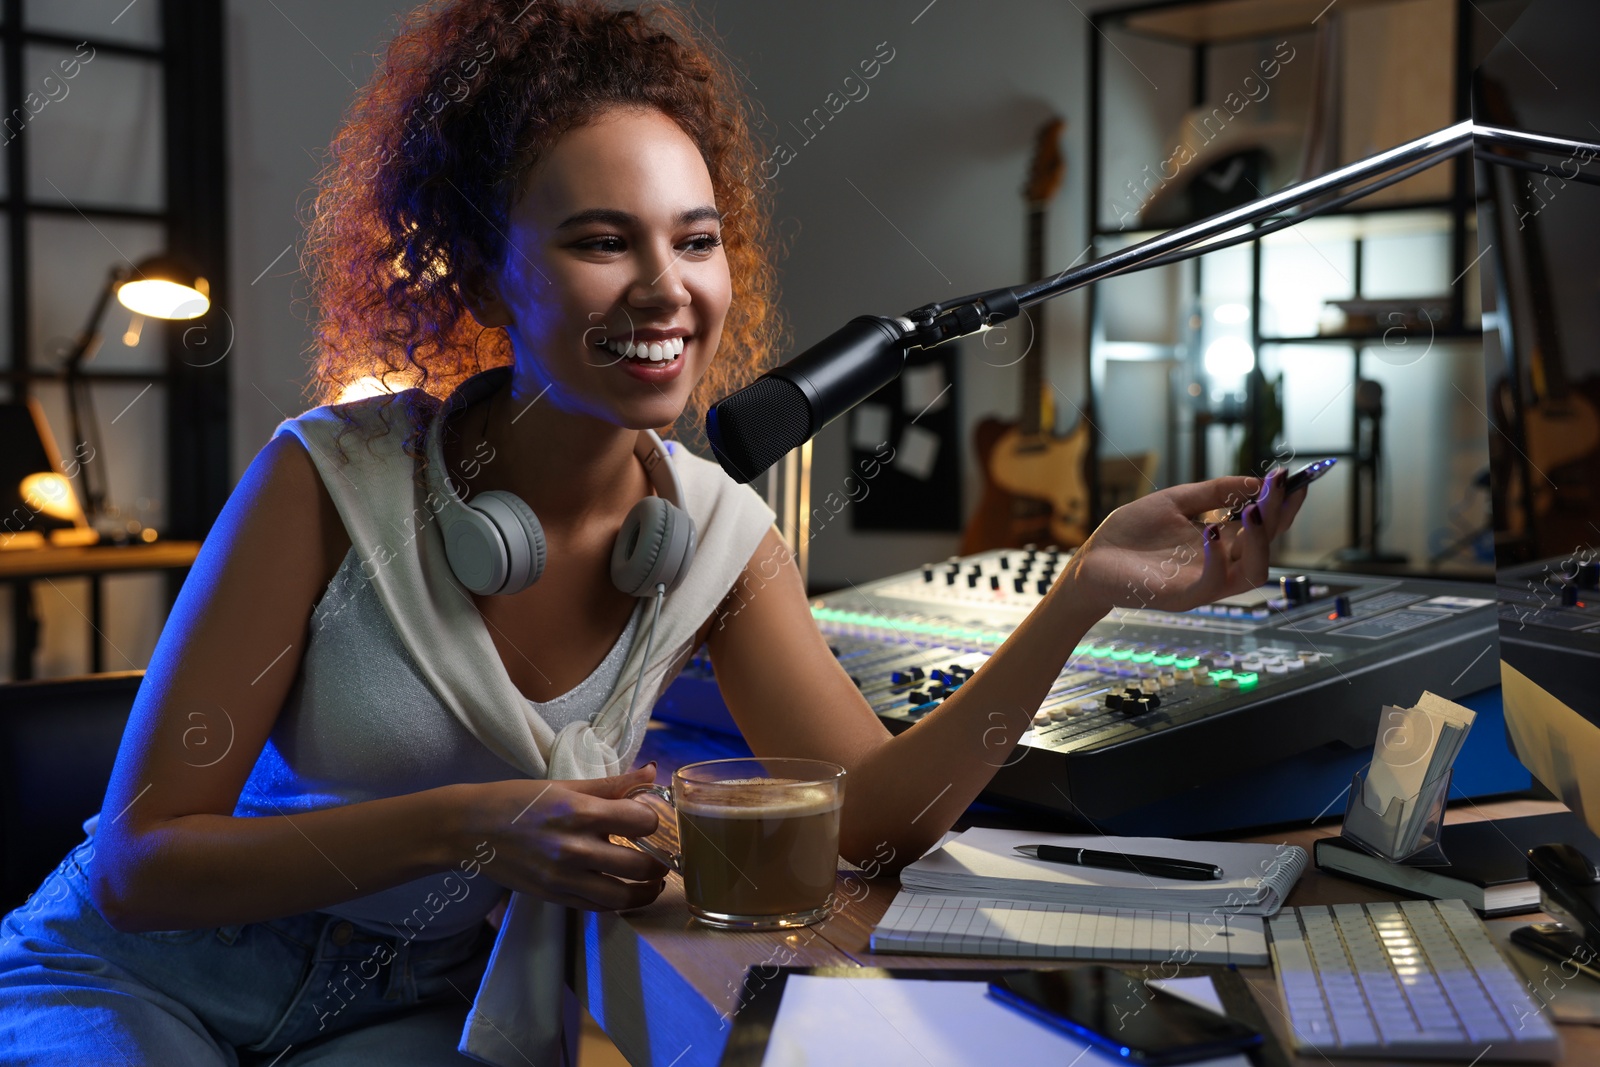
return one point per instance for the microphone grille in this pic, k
(758, 425)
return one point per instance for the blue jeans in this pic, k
(309, 988)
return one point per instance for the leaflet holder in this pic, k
(1408, 830)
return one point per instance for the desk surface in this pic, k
(665, 990)
(54, 561)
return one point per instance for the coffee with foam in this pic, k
(756, 847)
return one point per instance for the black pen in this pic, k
(1122, 861)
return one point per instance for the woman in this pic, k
(561, 190)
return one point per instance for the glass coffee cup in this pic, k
(759, 840)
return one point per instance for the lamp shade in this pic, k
(163, 288)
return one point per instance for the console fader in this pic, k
(1152, 703)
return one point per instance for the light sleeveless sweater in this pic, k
(360, 723)
(456, 715)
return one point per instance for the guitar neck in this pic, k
(1033, 361)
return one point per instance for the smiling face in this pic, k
(614, 254)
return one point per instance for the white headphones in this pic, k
(496, 545)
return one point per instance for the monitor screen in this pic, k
(1541, 290)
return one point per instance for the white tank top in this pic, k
(360, 723)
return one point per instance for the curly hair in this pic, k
(433, 153)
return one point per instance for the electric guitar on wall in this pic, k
(1034, 490)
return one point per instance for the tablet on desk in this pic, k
(928, 1016)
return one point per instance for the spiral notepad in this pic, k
(929, 924)
(981, 862)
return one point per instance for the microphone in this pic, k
(758, 425)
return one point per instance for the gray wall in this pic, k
(910, 193)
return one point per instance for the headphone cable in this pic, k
(661, 592)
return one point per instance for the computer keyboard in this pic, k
(1415, 979)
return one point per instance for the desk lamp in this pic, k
(161, 287)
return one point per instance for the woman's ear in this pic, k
(482, 298)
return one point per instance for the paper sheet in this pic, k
(1558, 745)
(869, 427)
(923, 390)
(919, 449)
(870, 1022)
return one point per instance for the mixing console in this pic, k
(1153, 703)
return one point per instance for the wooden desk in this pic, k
(23, 566)
(665, 990)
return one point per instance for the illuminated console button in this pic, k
(1164, 661)
(1229, 682)
(1245, 679)
(1143, 657)
(1183, 675)
(1186, 663)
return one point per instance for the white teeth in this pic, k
(655, 352)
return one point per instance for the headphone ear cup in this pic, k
(521, 539)
(654, 546)
(476, 552)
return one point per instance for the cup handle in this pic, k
(673, 860)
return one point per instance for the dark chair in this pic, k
(58, 742)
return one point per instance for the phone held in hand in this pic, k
(1136, 1022)
(1296, 482)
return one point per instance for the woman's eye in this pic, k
(603, 244)
(702, 243)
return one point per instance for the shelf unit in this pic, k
(182, 47)
(1202, 29)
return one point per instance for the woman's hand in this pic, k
(1157, 553)
(550, 839)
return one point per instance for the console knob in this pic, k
(1296, 588)
(1569, 596)
(1341, 606)
(994, 581)
(1589, 575)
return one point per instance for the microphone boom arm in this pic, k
(828, 379)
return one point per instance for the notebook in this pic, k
(981, 863)
(924, 924)
(1488, 865)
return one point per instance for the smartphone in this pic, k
(1297, 481)
(1559, 942)
(1134, 1021)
